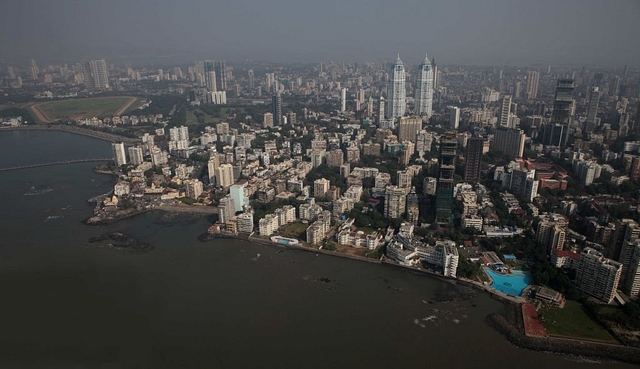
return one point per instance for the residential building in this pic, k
(224, 176)
(505, 112)
(320, 187)
(245, 222)
(397, 91)
(135, 155)
(597, 275)
(225, 209)
(334, 158)
(119, 155)
(556, 132)
(473, 159)
(444, 192)
(454, 117)
(276, 101)
(395, 202)
(533, 78)
(509, 141)
(96, 75)
(237, 193)
(551, 231)
(424, 88)
(408, 128)
(193, 188)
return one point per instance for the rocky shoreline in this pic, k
(121, 242)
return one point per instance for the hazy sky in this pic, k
(472, 32)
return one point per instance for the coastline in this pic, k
(105, 136)
(510, 326)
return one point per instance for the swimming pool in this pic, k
(512, 284)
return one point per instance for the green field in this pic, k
(572, 321)
(295, 230)
(82, 108)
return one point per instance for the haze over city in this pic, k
(496, 32)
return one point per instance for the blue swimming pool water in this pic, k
(284, 242)
(512, 284)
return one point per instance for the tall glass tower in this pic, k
(424, 89)
(396, 92)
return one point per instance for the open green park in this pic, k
(572, 321)
(52, 111)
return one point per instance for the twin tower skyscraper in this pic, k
(397, 93)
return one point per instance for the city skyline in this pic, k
(498, 33)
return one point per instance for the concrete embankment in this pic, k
(513, 331)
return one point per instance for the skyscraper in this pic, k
(424, 89)
(473, 159)
(505, 110)
(533, 78)
(556, 131)
(454, 117)
(343, 100)
(119, 155)
(276, 101)
(251, 79)
(209, 75)
(96, 75)
(33, 69)
(396, 92)
(444, 191)
(592, 111)
(221, 75)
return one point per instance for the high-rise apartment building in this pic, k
(135, 155)
(424, 89)
(592, 111)
(212, 165)
(321, 187)
(193, 188)
(533, 78)
(96, 75)
(505, 112)
(632, 281)
(509, 141)
(239, 197)
(224, 176)
(413, 207)
(473, 159)
(396, 91)
(335, 158)
(551, 231)
(179, 133)
(33, 70)
(444, 192)
(395, 202)
(556, 132)
(267, 120)
(408, 128)
(597, 275)
(252, 80)
(276, 106)
(343, 100)
(454, 117)
(119, 155)
(221, 75)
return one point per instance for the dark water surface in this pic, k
(221, 304)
